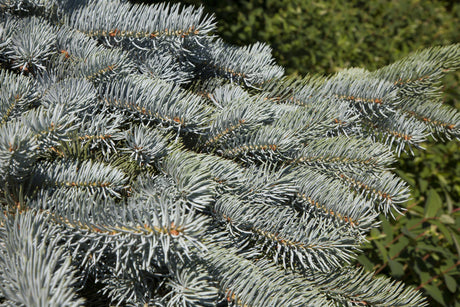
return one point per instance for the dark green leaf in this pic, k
(382, 250)
(444, 230)
(365, 262)
(396, 248)
(397, 269)
(446, 219)
(450, 283)
(435, 293)
(423, 185)
(432, 204)
(388, 230)
(405, 231)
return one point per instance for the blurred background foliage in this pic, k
(422, 247)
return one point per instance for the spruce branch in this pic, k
(73, 45)
(165, 65)
(144, 145)
(412, 72)
(8, 27)
(101, 130)
(76, 95)
(36, 269)
(341, 153)
(291, 90)
(50, 126)
(141, 23)
(265, 144)
(322, 195)
(31, 45)
(368, 96)
(399, 129)
(443, 121)
(17, 95)
(18, 150)
(258, 284)
(149, 231)
(37, 7)
(237, 113)
(93, 176)
(157, 101)
(100, 67)
(279, 234)
(191, 179)
(356, 287)
(269, 184)
(190, 286)
(251, 66)
(386, 191)
(307, 122)
(227, 175)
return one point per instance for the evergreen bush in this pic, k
(325, 36)
(144, 161)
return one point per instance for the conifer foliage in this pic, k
(144, 161)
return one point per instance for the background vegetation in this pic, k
(421, 248)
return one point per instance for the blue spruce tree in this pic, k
(145, 162)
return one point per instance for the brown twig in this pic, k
(434, 277)
(399, 236)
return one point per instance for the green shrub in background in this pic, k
(310, 36)
(422, 247)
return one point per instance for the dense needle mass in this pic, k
(145, 161)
